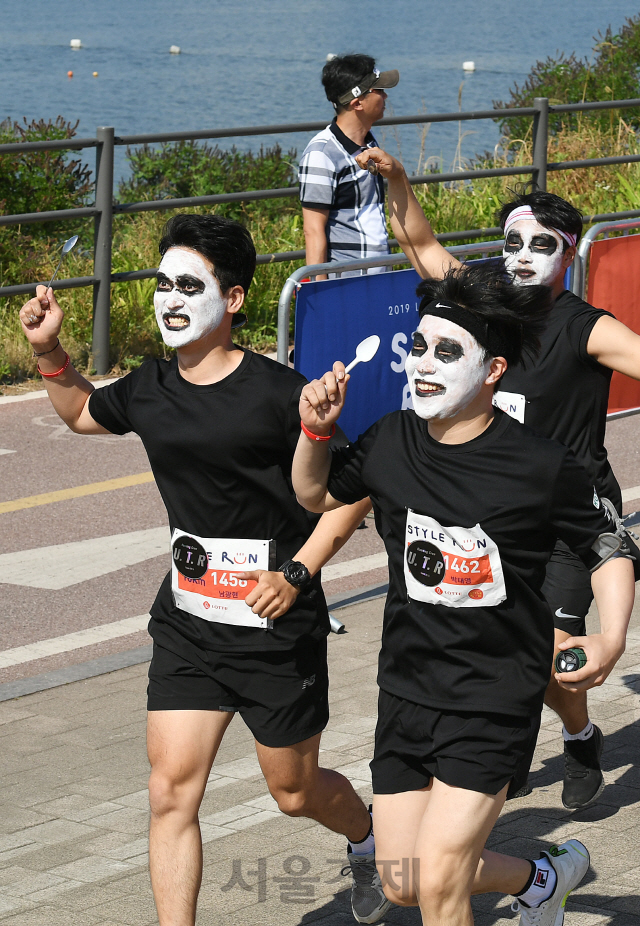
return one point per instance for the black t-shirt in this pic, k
(485, 516)
(566, 391)
(221, 455)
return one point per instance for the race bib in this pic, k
(205, 580)
(458, 567)
(512, 403)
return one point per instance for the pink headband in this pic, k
(525, 212)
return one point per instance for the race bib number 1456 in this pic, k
(454, 566)
(206, 576)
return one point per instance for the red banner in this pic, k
(614, 285)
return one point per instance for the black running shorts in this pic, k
(476, 751)
(282, 696)
(567, 588)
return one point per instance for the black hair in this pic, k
(513, 316)
(343, 73)
(550, 210)
(225, 243)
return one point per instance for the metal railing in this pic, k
(105, 208)
(337, 268)
(619, 223)
(481, 248)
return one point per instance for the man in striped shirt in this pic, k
(342, 204)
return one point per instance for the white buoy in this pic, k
(331, 56)
(174, 50)
(76, 43)
(468, 65)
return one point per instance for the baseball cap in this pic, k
(376, 80)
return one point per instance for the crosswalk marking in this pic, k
(70, 641)
(70, 563)
(629, 494)
(352, 566)
(66, 564)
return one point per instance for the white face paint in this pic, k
(445, 369)
(188, 301)
(532, 253)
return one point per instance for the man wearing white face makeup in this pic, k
(469, 503)
(220, 424)
(563, 395)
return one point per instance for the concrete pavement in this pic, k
(73, 804)
(74, 807)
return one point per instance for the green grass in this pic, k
(276, 226)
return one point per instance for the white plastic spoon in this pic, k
(365, 351)
(66, 247)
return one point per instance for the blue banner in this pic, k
(333, 316)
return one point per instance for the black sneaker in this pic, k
(583, 779)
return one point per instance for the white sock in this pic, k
(367, 845)
(542, 883)
(582, 735)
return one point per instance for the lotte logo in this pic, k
(206, 605)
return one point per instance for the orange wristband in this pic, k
(58, 372)
(313, 436)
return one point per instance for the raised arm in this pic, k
(321, 402)
(408, 222)
(615, 346)
(41, 320)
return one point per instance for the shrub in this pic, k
(188, 168)
(614, 74)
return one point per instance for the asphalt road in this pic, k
(80, 567)
(50, 589)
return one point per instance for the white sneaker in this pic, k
(570, 862)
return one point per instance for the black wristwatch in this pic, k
(296, 574)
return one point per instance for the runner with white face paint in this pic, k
(219, 424)
(468, 503)
(562, 395)
(532, 253)
(188, 302)
(445, 368)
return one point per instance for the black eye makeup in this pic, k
(419, 345)
(514, 242)
(541, 244)
(186, 284)
(448, 351)
(544, 244)
(189, 285)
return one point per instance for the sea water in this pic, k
(255, 63)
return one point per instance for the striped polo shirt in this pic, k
(330, 178)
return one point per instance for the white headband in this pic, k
(525, 212)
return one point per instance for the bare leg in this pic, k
(181, 746)
(303, 789)
(441, 833)
(571, 706)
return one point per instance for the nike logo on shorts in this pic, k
(560, 613)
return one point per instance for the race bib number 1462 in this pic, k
(458, 567)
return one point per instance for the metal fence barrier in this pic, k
(479, 249)
(105, 208)
(579, 279)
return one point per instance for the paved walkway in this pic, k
(74, 807)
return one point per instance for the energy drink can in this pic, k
(571, 660)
